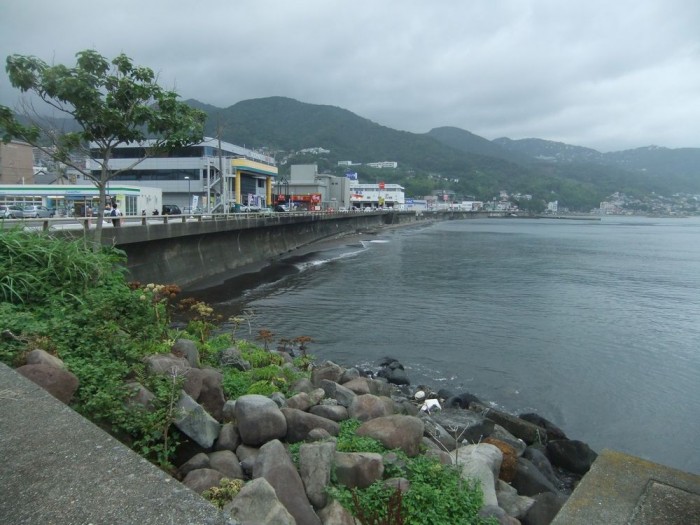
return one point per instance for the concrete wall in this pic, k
(186, 252)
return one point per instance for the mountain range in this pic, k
(449, 158)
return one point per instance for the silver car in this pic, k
(10, 211)
(36, 212)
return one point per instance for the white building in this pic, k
(379, 195)
(213, 175)
(383, 164)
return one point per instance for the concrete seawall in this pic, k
(186, 252)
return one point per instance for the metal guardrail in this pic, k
(86, 223)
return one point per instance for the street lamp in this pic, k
(189, 194)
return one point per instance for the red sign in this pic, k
(381, 185)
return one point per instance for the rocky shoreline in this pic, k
(526, 466)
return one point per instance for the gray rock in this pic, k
(459, 425)
(279, 399)
(187, 349)
(315, 463)
(257, 504)
(316, 395)
(193, 421)
(344, 396)
(326, 371)
(395, 432)
(229, 410)
(529, 481)
(198, 461)
(348, 375)
(510, 501)
(202, 479)
(139, 396)
(491, 511)
(368, 406)
(259, 420)
(574, 456)
(546, 507)
(553, 431)
(193, 382)
(359, 385)
(300, 401)
(332, 412)
(358, 469)
(541, 462)
(41, 357)
(335, 514)
(232, 357)
(227, 463)
(58, 382)
(166, 364)
(481, 462)
(520, 428)
(299, 424)
(302, 385)
(275, 465)
(502, 434)
(211, 397)
(229, 438)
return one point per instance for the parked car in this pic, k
(192, 211)
(36, 212)
(171, 209)
(10, 211)
(281, 207)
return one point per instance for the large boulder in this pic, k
(394, 372)
(326, 371)
(42, 357)
(541, 462)
(166, 364)
(520, 428)
(300, 401)
(344, 396)
(529, 481)
(335, 514)
(553, 431)
(574, 456)
(395, 432)
(259, 420)
(202, 479)
(229, 438)
(187, 349)
(58, 382)
(274, 464)
(257, 504)
(198, 461)
(315, 465)
(546, 507)
(193, 421)
(358, 469)
(359, 385)
(510, 501)
(227, 463)
(481, 462)
(332, 412)
(299, 424)
(232, 357)
(368, 406)
(453, 426)
(211, 396)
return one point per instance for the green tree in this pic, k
(112, 103)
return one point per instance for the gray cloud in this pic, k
(607, 75)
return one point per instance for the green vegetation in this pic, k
(60, 296)
(437, 495)
(225, 492)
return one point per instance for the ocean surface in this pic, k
(594, 325)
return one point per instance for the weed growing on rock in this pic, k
(225, 492)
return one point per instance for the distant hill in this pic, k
(450, 158)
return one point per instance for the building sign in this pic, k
(352, 175)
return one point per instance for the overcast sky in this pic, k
(606, 74)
